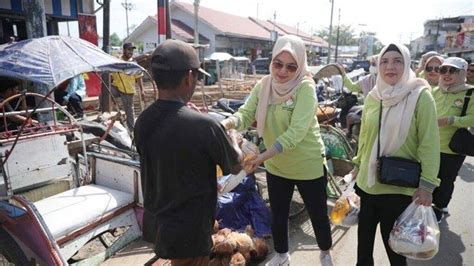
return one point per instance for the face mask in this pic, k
(372, 70)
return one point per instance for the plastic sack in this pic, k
(346, 209)
(415, 234)
(228, 182)
(249, 151)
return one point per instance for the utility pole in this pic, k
(106, 26)
(330, 32)
(196, 22)
(337, 36)
(128, 7)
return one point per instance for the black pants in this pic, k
(74, 103)
(375, 209)
(313, 192)
(448, 171)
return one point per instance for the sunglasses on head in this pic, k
(279, 65)
(450, 70)
(431, 69)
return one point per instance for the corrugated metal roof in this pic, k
(228, 24)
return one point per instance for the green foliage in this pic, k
(115, 40)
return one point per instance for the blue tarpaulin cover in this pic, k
(53, 59)
(244, 206)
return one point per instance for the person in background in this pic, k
(283, 104)
(450, 97)
(179, 149)
(8, 88)
(470, 74)
(419, 71)
(431, 71)
(366, 83)
(408, 129)
(71, 95)
(123, 86)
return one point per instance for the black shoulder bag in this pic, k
(462, 141)
(395, 170)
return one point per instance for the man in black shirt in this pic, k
(179, 149)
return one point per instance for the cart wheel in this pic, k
(10, 252)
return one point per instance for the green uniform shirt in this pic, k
(294, 127)
(450, 104)
(422, 145)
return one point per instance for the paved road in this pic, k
(457, 236)
(457, 233)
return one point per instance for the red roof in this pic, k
(228, 24)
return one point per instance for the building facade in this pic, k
(13, 22)
(222, 32)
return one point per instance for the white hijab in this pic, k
(399, 103)
(273, 92)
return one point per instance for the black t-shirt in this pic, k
(179, 149)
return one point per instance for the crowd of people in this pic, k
(408, 114)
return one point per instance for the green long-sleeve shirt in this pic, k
(421, 144)
(293, 128)
(450, 105)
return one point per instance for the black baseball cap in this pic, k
(176, 55)
(128, 45)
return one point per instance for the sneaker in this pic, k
(439, 215)
(280, 259)
(325, 259)
(445, 210)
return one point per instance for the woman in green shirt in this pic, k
(283, 104)
(408, 130)
(450, 98)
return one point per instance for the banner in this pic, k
(88, 32)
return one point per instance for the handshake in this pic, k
(248, 152)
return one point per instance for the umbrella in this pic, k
(53, 59)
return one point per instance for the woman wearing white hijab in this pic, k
(450, 97)
(431, 71)
(283, 104)
(408, 130)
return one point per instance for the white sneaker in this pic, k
(326, 259)
(280, 259)
(445, 210)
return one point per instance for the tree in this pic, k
(346, 35)
(115, 40)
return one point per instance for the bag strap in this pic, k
(466, 101)
(378, 134)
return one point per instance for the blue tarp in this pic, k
(244, 206)
(53, 59)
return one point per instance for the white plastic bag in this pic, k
(346, 209)
(228, 182)
(415, 234)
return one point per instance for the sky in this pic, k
(391, 20)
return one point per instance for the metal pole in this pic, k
(106, 26)
(330, 32)
(126, 17)
(196, 25)
(337, 36)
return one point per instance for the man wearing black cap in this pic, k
(179, 149)
(123, 86)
